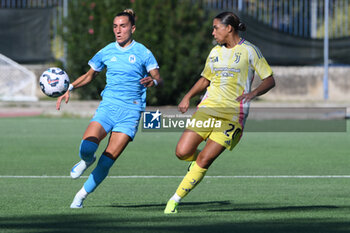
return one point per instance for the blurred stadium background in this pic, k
(309, 64)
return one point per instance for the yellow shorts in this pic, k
(225, 132)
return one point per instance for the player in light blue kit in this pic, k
(129, 65)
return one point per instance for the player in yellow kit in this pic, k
(227, 76)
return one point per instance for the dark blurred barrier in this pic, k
(304, 18)
(25, 34)
(283, 49)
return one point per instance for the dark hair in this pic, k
(130, 14)
(229, 18)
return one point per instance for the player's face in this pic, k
(220, 31)
(123, 30)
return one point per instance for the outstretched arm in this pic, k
(198, 87)
(266, 85)
(79, 82)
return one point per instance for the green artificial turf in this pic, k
(271, 182)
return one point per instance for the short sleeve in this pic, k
(260, 64)
(96, 62)
(208, 69)
(150, 61)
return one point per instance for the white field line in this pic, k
(165, 177)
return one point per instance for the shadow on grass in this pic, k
(279, 209)
(193, 217)
(193, 204)
(227, 206)
(90, 223)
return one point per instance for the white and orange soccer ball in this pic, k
(54, 82)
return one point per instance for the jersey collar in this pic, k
(241, 41)
(125, 48)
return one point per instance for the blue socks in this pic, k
(87, 150)
(99, 173)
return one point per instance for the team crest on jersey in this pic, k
(237, 57)
(132, 59)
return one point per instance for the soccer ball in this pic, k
(54, 82)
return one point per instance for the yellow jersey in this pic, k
(231, 73)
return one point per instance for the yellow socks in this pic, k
(192, 178)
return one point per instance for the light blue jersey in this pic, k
(125, 68)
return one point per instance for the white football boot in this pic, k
(77, 202)
(79, 168)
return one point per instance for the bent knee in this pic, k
(182, 154)
(179, 154)
(87, 150)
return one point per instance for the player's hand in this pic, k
(184, 105)
(59, 100)
(246, 97)
(147, 82)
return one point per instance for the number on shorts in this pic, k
(236, 133)
(238, 130)
(229, 130)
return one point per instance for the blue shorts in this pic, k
(117, 119)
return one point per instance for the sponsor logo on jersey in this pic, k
(214, 59)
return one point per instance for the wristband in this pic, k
(71, 87)
(155, 82)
